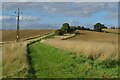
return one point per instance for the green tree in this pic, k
(112, 27)
(59, 32)
(65, 27)
(98, 27)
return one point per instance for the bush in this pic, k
(59, 32)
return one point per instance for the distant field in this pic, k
(116, 31)
(96, 36)
(10, 35)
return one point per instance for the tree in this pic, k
(83, 28)
(98, 27)
(65, 27)
(59, 32)
(72, 29)
(112, 27)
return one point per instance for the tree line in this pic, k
(66, 28)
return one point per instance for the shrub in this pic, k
(59, 32)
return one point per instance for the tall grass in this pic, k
(14, 61)
(96, 50)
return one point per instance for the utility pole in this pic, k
(18, 20)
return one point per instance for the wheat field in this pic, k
(102, 46)
(116, 31)
(10, 35)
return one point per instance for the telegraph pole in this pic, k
(18, 20)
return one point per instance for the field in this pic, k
(51, 62)
(92, 44)
(87, 55)
(10, 35)
(96, 37)
(14, 55)
(115, 31)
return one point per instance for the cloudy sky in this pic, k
(50, 15)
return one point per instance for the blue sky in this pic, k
(50, 15)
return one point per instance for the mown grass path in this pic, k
(51, 62)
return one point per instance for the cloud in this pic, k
(64, 9)
(28, 18)
(113, 15)
(78, 9)
(21, 18)
(72, 22)
(4, 17)
(7, 18)
(9, 22)
(38, 26)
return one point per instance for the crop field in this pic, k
(51, 62)
(115, 31)
(87, 55)
(10, 35)
(92, 44)
(96, 36)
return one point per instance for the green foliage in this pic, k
(72, 29)
(112, 27)
(81, 28)
(51, 62)
(65, 27)
(59, 32)
(98, 27)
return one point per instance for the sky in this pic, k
(51, 15)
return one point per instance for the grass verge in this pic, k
(51, 62)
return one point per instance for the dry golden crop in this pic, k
(10, 35)
(98, 45)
